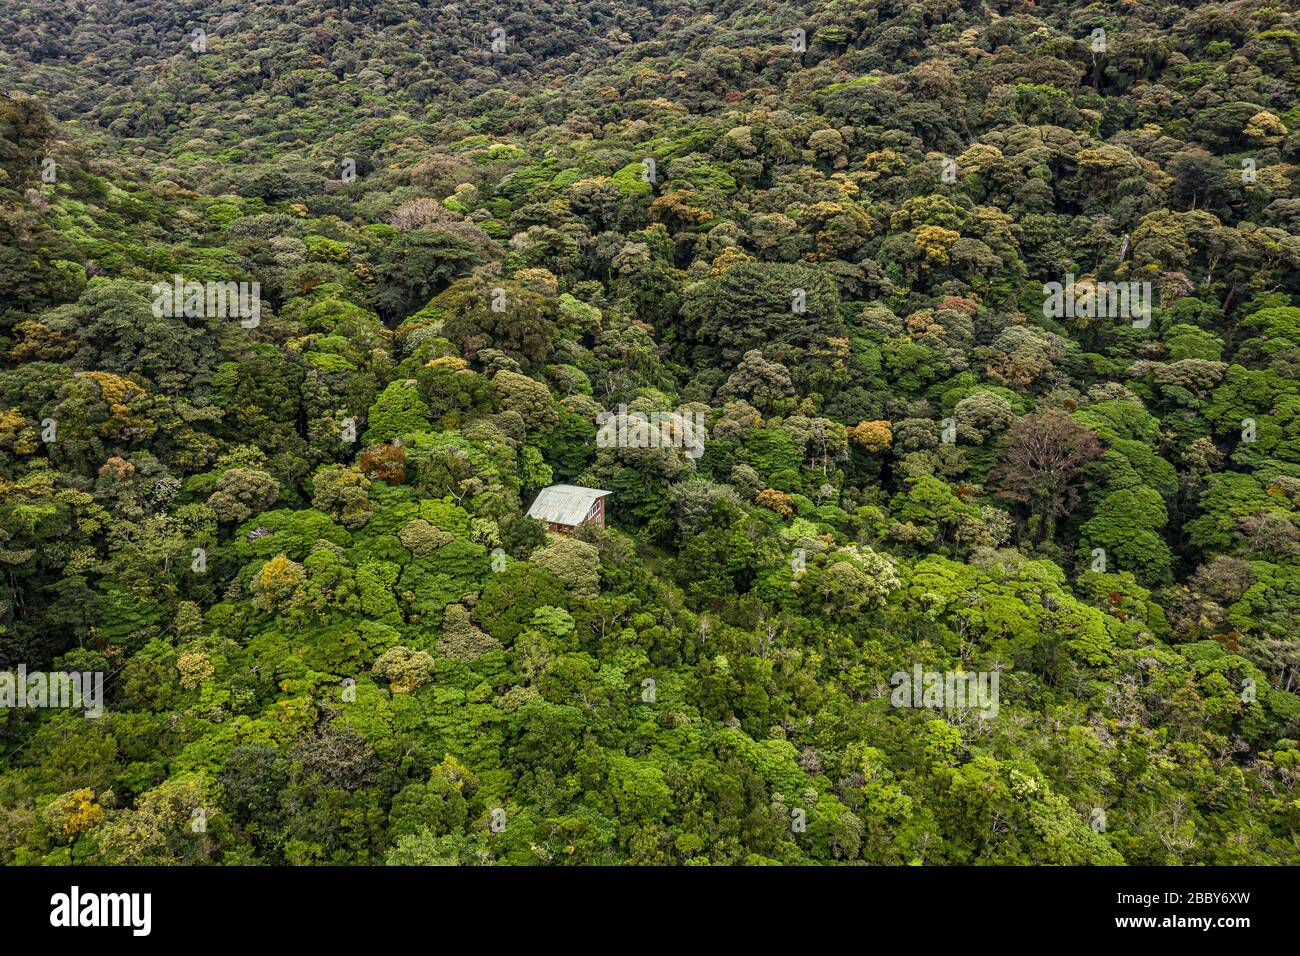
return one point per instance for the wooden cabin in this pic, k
(564, 507)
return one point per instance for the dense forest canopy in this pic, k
(968, 335)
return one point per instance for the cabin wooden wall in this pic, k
(567, 529)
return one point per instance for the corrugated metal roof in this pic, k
(564, 504)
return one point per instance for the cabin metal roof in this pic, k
(564, 504)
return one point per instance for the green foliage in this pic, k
(299, 547)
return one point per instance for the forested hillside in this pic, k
(968, 339)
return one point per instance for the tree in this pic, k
(874, 436)
(1039, 460)
(420, 264)
(575, 563)
(404, 669)
(342, 492)
(791, 305)
(531, 399)
(762, 382)
(507, 317)
(241, 493)
(1126, 525)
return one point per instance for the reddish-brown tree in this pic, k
(1040, 459)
